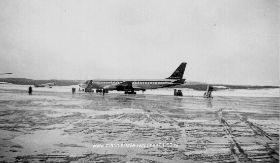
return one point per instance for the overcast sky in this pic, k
(223, 41)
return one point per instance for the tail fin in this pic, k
(179, 72)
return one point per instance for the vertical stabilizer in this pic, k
(179, 72)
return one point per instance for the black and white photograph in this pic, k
(139, 81)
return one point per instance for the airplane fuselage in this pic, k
(136, 84)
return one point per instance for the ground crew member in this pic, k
(73, 90)
(30, 90)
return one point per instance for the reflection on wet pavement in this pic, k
(55, 126)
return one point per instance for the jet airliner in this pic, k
(130, 86)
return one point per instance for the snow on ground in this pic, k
(53, 125)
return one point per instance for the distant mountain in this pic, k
(203, 86)
(194, 83)
(25, 81)
(189, 84)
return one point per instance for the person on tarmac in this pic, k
(30, 90)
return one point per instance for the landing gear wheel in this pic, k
(126, 92)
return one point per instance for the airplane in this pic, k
(130, 86)
(45, 85)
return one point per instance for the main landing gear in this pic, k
(129, 92)
(98, 90)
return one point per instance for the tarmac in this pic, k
(88, 127)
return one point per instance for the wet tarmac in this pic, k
(84, 127)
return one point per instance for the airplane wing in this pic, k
(127, 85)
(123, 86)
